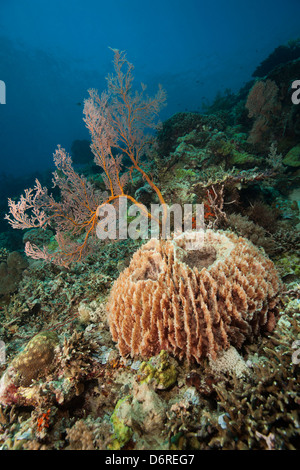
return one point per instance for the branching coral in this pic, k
(268, 405)
(117, 121)
(193, 303)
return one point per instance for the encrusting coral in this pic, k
(193, 303)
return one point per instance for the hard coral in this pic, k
(35, 359)
(159, 370)
(193, 303)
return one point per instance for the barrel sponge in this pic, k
(193, 303)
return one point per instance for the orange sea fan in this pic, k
(121, 123)
(193, 303)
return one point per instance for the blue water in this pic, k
(51, 52)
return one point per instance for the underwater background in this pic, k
(76, 373)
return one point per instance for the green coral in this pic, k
(224, 148)
(122, 433)
(242, 158)
(52, 246)
(159, 370)
(183, 173)
(289, 266)
(292, 158)
(228, 151)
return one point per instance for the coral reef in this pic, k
(264, 409)
(292, 158)
(213, 376)
(281, 55)
(193, 303)
(235, 402)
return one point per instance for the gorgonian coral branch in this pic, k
(28, 212)
(116, 120)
